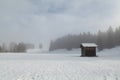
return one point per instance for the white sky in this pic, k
(39, 21)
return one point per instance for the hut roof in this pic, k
(88, 45)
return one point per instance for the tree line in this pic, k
(107, 39)
(15, 47)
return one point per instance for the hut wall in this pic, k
(82, 51)
(90, 51)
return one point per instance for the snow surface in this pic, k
(37, 50)
(60, 66)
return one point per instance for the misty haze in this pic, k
(59, 40)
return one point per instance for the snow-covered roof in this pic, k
(89, 45)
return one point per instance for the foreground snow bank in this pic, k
(59, 70)
(63, 66)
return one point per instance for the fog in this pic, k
(39, 21)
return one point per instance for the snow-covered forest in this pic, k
(104, 40)
(16, 47)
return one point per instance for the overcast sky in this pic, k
(39, 21)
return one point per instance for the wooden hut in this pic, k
(88, 49)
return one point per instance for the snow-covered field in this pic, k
(61, 65)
